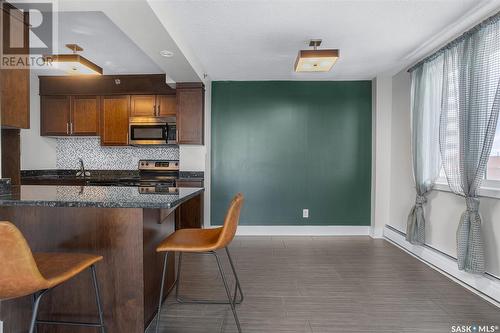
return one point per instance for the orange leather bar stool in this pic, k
(205, 241)
(23, 273)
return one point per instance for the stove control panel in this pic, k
(159, 165)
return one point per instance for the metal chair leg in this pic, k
(98, 299)
(205, 301)
(36, 304)
(161, 292)
(237, 285)
(178, 279)
(233, 308)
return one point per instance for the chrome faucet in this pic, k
(82, 172)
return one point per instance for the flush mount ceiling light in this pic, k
(73, 63)
(167, 53)
(316, 60)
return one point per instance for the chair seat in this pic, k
(191, 240)
(57, 268)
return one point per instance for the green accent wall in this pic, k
(289, 145)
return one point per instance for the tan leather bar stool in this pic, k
(205, 241)
(23, 273)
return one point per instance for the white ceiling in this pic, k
(103, 43)
(259, 40)
(124, 37)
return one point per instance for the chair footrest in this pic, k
(203, 301)
(69, 323)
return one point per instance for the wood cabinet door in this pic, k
(15, 83)
(143, 105)
(166, 105)
(190, 213)
(54, 115)
(84, 115)
(190, 115)
(114, 120)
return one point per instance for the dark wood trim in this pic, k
(105, 85)
(189, 85)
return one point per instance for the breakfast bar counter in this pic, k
(123, 224)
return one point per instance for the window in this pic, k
(493, 167)
(492, 174)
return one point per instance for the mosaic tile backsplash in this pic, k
(96, 157)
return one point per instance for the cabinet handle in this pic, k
(154, 110)
(67, 128)
(71, 128)
(176, 135)
(159, 106)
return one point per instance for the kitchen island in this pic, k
(123, 224)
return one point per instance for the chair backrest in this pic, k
(231, 221)
(19, 275)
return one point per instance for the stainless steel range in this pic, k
(158, 176)
(155, 176)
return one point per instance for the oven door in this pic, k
(148, 134)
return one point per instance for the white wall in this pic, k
(444, 209)
(381, 152)
(36, 152)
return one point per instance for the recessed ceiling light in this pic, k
(316, 60)
(167, 54)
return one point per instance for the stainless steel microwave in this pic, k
(152, 131)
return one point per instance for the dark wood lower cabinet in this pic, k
(129, 276)
(190, 213)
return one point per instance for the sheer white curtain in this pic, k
(470, 108)
(426, 88)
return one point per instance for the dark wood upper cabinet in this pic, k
(55, 115)
(143, 105)
(92, 106)
(153, 106)
(190, 105)
(69, 115)
(84, 115)
(15, 83)
(115, 111)
(166, 105)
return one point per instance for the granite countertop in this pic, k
(97, 175)
(94, 196)
(65, 174)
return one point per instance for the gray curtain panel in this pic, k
(470, 107)
(426, 88)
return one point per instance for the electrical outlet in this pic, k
(305, 213)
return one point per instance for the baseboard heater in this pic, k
(487, 285)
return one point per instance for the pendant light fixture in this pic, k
(316, 60)
(73, 63)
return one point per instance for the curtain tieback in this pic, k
(420, 200)
(472, 204)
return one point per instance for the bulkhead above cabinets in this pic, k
(101, 106)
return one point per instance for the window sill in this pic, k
(484, 191)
